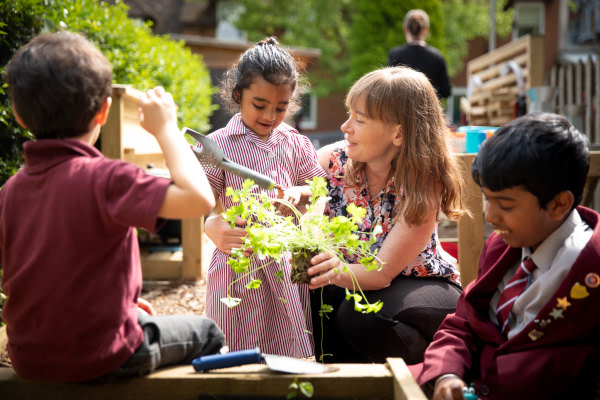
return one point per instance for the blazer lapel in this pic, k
(480, 294)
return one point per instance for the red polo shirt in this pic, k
(71, 259)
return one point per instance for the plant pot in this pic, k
(300, 264)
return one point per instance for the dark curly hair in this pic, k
(58, 83)
(269, 61)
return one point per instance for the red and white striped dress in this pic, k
(262, 319)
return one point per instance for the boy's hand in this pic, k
(449, 389)
(158, 112)
(145, 306)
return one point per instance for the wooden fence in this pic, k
(578, 94)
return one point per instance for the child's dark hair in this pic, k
(58, 83)
(541, 152)
(269, 61)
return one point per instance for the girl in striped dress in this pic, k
(264, 86)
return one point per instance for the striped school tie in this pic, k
(512, 290)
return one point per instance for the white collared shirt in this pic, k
(553, 258)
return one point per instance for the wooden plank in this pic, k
(502, 53)
(469, 227)
(110, 136)
(535, 62)
(191, 235)
(494, 70)
(405, 386)
(351, 381)
(588, 100)
(162, 265)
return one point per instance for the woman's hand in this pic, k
(326, 270)
(222, 235)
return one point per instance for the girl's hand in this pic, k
(449, 389)
(326, 269)
(222, 235)
(297, 196)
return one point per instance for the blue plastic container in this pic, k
(475, 136)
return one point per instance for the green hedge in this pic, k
(138, 57)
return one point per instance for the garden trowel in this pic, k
(288, 365)
(211, 155)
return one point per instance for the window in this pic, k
(308, 112)
(453, 105)
(529, 19)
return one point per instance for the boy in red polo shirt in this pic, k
(68, 243)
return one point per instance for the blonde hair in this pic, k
(401, 95)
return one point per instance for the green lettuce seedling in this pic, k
(273, 235)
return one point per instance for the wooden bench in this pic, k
(352, 381)
(470, 228)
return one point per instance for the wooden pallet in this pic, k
(492, 103)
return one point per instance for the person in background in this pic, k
(417, 54)
(264, 85)
(528, 326)
(68, 244)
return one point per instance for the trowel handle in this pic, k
(232, 359)
(261, 180)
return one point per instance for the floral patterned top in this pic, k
(432, 261)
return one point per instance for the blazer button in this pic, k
(484, 390)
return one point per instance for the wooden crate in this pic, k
(492, 103)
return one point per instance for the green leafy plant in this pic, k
(273, 235)
(303, 387)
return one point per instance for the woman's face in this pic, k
(370, 140)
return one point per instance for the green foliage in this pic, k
(304, 387)
(466, 20)
(307, 23)
(273, 235)
(383, 20)
(19, 21)
(138, 57)
(355, 35)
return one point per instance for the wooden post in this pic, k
(470, 228)
(191, 235)
(405, 386)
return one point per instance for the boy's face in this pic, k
(517, 217)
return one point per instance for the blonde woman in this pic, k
(395, 163)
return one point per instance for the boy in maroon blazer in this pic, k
(536, 336)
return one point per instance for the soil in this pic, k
(300, 265)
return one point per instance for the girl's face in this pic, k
(264, 106)
(370, 140)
